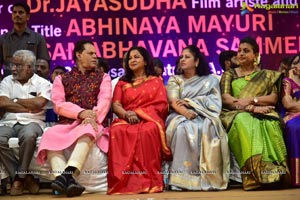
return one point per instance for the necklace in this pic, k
(138, 81)
(247, 77)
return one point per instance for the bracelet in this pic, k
(249, 108)
(240, 107)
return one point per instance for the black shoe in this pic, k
(60, 184)
(4, 183)
(74, 189)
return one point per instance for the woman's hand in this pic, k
(180, 102)
(263, 109)
(292, 73)
(90, 121)
(241, 103)
(131, 117)
(190, 114)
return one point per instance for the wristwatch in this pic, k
(255, 100)
(15, 100)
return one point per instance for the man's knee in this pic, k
(29, 133)
(6, 132)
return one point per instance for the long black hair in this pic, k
(292, 59)
(149, 69)
(202, 68)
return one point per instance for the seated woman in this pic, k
(81, 98)
(194, 132)
(291, 103)
(137, 136)
(254, 132)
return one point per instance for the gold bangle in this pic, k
(248, 108)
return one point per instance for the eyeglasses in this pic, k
(18, 66)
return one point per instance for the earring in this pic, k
(255, 63)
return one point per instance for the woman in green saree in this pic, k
(249, 97)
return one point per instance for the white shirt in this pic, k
(36, 86)
(114, 83)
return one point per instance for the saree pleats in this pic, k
(135, 163)
(259, 150)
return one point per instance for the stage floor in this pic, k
(231, 194)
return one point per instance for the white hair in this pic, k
(26, 56)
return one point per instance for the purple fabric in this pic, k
(292, 131)
(297, 94)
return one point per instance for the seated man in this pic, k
(82, 99)
(23, 96)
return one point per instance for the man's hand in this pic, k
(90, 121)
(88, 114)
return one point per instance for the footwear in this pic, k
(31, 185)
(60, 184)
(74, 189)
(17, 188)
(4, 186)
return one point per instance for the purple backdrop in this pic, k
(164, 27)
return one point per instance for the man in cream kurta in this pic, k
(23, 96)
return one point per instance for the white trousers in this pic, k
(77, 159)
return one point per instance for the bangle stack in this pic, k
(238, 108)
(250, 108)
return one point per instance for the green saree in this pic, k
(255, 140)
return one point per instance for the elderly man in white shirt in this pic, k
(23, 97)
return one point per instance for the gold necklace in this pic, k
(247, 76)
(138, 81)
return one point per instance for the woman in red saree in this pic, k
(137, 136)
